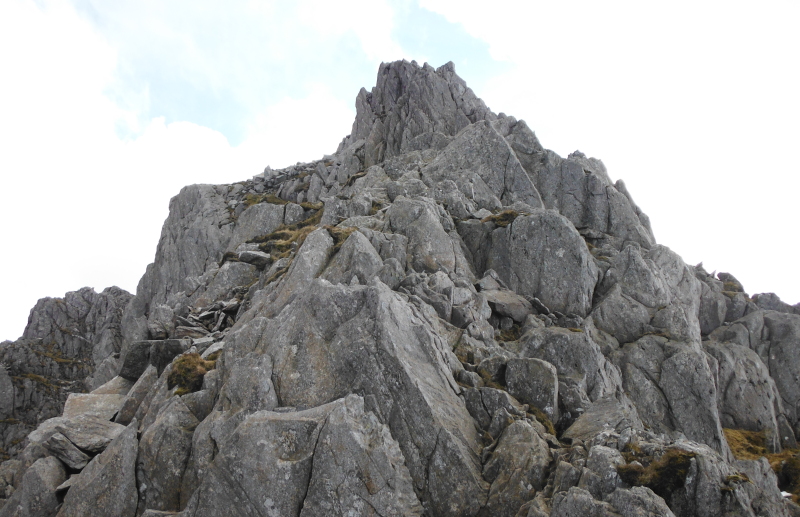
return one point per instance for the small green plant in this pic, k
(188, 372)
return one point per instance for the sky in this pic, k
(107, 109)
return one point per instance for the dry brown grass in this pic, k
(188, 372)
(502, 219)
(663, 476)
(752, 445)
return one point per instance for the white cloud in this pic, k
(369, 20)
(694, 105)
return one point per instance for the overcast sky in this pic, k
(107, 109)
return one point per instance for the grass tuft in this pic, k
(662, 476)
(751, 445)
(511, 334)
(188, 372)
(501, 219)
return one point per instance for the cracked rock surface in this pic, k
(441, 318)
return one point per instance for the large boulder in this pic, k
(163, 453)
(36, 495)
(430, 247)
(334, 459)
(747, 396)
(332, 340)
(673, 387)
(649, 291)
(543, 255)
(107, 486)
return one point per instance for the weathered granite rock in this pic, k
(339, 460)
(573, 353)
(615, 413)
(357, 257)
(354, 339)
(366, 372)
(100, 406)
(63, 449)
(648, 291)
(194, 236)
(89, 433)
(673, 388)
(542, 255)
(534, 382)
(65, 347)
(430, 248)
(578, 502)
(107, 486)
(256, 220)
(639, 501)
(358, 468)
(36, 495)
(408, 101)
(163, 453)
(747, 396)
(136, 395)
(517, 469)
(484, 168)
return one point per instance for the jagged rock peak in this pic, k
(409, 101)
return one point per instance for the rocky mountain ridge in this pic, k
(441, 318)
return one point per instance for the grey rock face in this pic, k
(407, 102)
(358, 468)
(66, 341)
(673, 388)
(485, 170)
(772, 335)
(747, 395)
(430, 248)
(193, 239)
(345, 339)
(451, 321)
(574, 354)
(649, 291)
(107, 486)
(542, 255)
(534, 382)
(516, 470)
(357, 257)
(36, 496)
(163, 453)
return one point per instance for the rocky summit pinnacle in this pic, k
(442, 318)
